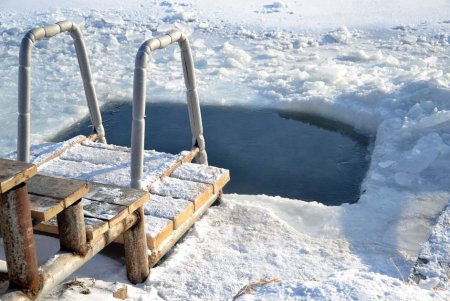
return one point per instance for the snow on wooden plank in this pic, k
(41, 153)
(12, 173)
(44, 208)
(67, 190)
(218, 177)
(195, 192)
(131, 198)
(188, 156)
(95, 227)
(177, 210)
(111, 213)
(157, 230)
(106, 166)
(102, 156)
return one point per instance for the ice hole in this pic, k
(268, 152)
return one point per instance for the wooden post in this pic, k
(135, 244)
(72, 231)
(17, 232)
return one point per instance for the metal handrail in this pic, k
(139, 98)
(34, 35)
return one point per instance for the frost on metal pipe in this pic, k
(33, 36)
(139, 98)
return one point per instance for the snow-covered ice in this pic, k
(380, 66)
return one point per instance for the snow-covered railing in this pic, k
(139, 98)
(33, 36)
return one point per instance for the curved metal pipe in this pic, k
(139, 98)
(33, 36)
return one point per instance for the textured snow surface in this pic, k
(107, 165)
(198, 173)
(41, 152)
(154, 225)
(165, 207)
(104, 211)
(177, 188)
(381, 66)
(433, 268)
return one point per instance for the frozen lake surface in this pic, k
(268, 152)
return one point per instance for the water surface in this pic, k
(267, 152)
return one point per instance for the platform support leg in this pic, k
(72, 231)
(218, 201)
(136, 257)
(18, 240)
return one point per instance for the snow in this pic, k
(380, 66)
(107, 165)
(165, 207)
(433, 266)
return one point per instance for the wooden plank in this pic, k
(191, 155)
(157, 229)
(111, 213)
(12, 173)
(195, 192)
(44, 208)
(187, 157)
(62, 150)
(94, 227)
(131, 198)
(66, 190)
(177, 210)
(48, 227)
(215, 176)
(167, 244)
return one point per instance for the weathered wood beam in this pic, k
(135, 243)
(19, 244)
(72, 230)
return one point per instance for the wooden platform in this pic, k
(180, 191)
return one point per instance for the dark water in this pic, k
(267, 152)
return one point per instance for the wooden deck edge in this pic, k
(222, 181)
(155, 255)
(154, 241)
(181, 218)
(203, 198)
(193, 153)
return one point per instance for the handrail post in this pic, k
(33, 36)
(139, 98)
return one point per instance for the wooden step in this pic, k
(195, 192)
(176, 210)
(44, 152)
(215, 176)
(157, 229)
(94, 227)
(128, 197)
(12, 173)
(104, 206)
(110, 164)
(49, 195)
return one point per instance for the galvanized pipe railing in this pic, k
(139, 98)
(34, 35)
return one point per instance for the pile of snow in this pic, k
(386, 73)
